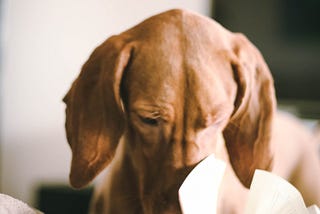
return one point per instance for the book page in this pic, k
(314, 209)
(270, 193)
(199, 191)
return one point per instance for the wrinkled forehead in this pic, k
(177, 58)
(170, 76)
(154, 74)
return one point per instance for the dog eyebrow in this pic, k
(165, 111)
(149, 114)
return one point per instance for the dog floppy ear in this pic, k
(248, 132)
(94, 116)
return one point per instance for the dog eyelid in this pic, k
(150, 121)
(149, 118)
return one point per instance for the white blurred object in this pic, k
(9, 205)
(270, 193)
(314, 209)
(199, 191)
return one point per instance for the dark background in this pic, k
(287, 32)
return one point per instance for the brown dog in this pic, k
(166, 94)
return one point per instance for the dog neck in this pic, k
(133, 189)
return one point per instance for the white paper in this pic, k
(199, 191)
(270, 193)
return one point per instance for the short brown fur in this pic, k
(157, 99)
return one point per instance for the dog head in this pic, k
(170, 86)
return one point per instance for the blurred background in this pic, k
(44, 44)
(287, 32)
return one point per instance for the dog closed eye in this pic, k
(149, 121)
